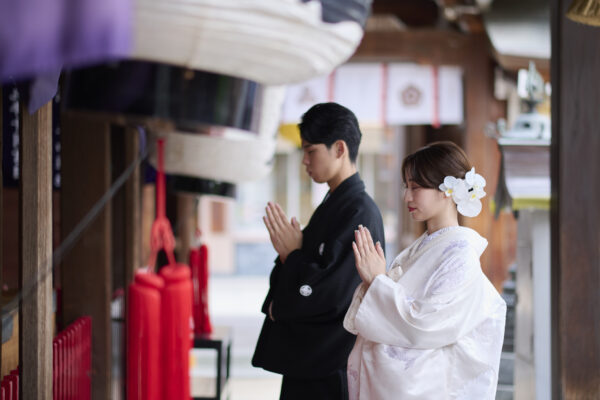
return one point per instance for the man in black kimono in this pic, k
(314, 277)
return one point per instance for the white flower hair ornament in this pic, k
(466, 193)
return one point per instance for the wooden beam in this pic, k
(411, 12)
(86, 270)
(426, 46)
(36, 252)
(575, 237)
(515, 63)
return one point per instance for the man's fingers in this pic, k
(279, 210)
(268, 225)
(273, 219)
(296, 224)
(279, 214)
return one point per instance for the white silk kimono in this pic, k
(431, 328)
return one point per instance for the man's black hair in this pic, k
(328, 122)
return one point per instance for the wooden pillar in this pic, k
(148, 213)
(36, 252)
(484, 154)
(86, 269)
(133, 204)
(575, 210)
(186, 225)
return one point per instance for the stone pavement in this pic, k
(235, 301)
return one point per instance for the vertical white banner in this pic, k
(359, 87)
(302, 96)
(410, 94)
(451, 105)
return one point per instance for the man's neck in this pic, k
(344, 173)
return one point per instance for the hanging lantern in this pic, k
(585, 12)
(198, 186)
(267, 41)
(220, 127)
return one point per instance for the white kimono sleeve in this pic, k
(451, 307)
(359, 293)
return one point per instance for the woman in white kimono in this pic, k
(432, 327)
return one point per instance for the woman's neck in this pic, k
(442, 221)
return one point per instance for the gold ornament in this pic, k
(585, 12)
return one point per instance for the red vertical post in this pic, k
(55, 369)
(61, 364)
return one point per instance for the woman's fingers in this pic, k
(359, 242)
(366, 240)
(364, 245)
(356, 253)
(380, 250)
(369, 239)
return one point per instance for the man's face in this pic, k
(321, 163)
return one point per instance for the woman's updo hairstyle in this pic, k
(429, 165)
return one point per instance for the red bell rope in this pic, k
(161, 234)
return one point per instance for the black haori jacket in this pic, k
(312, 291)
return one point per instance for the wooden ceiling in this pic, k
(445, 19)
(462, 15)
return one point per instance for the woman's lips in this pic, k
(410, 209)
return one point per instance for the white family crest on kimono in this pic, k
(431, 328)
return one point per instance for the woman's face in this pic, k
(423, 203)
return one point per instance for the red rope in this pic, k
(161, 235)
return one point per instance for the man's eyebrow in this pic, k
(307, 145)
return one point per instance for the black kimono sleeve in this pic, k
(331, 278)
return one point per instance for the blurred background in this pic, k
(88, 88)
